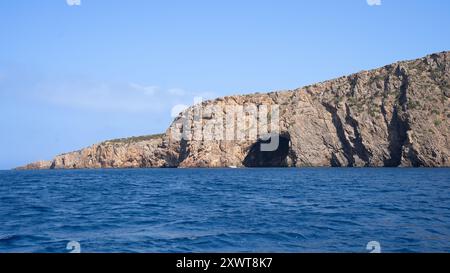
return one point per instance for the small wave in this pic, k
(8, 238)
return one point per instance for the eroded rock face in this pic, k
(128, 153)
(397, 115)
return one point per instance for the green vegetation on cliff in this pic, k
(134, 139)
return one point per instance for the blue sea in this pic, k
(225, 210)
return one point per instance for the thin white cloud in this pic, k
(127, 98)
(177, 91)
(100, 97)
(148, 90)
(177, 109)
(374, 2)
(73, 2)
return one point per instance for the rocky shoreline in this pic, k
(393, 116)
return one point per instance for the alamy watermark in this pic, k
(374, 247)
(73, 247)
(228, 122)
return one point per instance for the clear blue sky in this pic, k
(71, 76)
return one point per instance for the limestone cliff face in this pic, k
(136, 152)
(397, 115)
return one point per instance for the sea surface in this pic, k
(225, 210)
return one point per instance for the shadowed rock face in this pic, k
(278, 158)
(397, 115)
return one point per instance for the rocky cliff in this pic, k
(397, 115)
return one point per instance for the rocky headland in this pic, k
(397, 115)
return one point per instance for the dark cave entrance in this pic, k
(278, 158)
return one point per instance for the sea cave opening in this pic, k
(258, 157)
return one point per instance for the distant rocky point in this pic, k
(397, 115)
